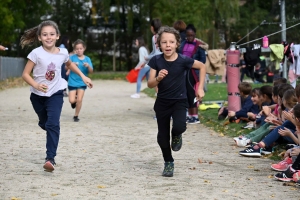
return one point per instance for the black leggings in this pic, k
(164, 109)
(296, 164)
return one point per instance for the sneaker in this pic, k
(241, 137)
(73, 105)
(285, 176)
(176, 142)
(296, 177)
(193, 120)
(135, 96)
(242, 142)
(49, 165)
(249, 126)
(169, 169)
(283, 165)
(267, 151)
(76, 119)
(251, 152)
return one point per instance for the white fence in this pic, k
(11, 67)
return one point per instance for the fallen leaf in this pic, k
(15, 198)
(192, 168)
(200, 161)
(101, 186)
(206, 181)
(53, 195)
(225, 191)
(250, 166)
(210, 162)
(270, 176)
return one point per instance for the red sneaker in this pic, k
(283, 165)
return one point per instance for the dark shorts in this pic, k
(76, 88)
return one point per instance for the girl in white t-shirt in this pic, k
(47, 85)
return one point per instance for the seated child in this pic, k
(258, 134)
(246, 104)
(284, 131)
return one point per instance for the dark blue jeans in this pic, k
(273, 136)
(48, 110)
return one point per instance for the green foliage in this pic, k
(109, 75)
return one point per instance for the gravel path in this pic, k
(112, 154)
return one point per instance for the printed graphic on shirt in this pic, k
(50, 74)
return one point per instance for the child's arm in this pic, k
(202, 69)
(28, 79)
(286, 132)
(154, 80)
(75, 69)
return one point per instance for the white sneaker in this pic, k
(135, 96)
(242, 142)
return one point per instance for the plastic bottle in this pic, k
(265, 42)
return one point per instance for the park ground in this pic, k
(112, 153)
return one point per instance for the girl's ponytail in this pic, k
(29, 37)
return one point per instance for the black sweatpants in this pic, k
(165, 109)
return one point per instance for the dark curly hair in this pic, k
(167, 29)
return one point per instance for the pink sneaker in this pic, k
(283, 165)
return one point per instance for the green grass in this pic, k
(108, 75)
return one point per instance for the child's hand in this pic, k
(295, 151)
(231, 113)
(287, 115)
(285, 132)
(88, 82)
(41, 87)
(266, 110)
(162, 74)
(251, 115)
(200, 94)
(276, 122)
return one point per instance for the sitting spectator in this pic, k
(284, 130)
(246, 104)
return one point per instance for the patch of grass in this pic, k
(108, 75)
(12, 83)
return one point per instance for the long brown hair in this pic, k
(30, 36)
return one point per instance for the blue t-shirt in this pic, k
(74, 79)
(173, 86)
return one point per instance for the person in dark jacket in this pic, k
(190, 47)
(246, 104)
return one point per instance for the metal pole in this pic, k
(114, 54)
(283, 33)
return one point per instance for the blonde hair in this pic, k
(30, 36)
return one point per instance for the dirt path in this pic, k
(112, 154)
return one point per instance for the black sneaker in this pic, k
(251, 152)
(169, 169)
(176, 142)
(73, 105)
(76, 119)
(49, 165)
(286, 176)
(267, 151)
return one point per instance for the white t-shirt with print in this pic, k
(48, 66)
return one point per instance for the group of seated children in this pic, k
(275, 112)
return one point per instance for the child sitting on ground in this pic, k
(284, 131)
(246, 104)
(258, 134)
(260, 97)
